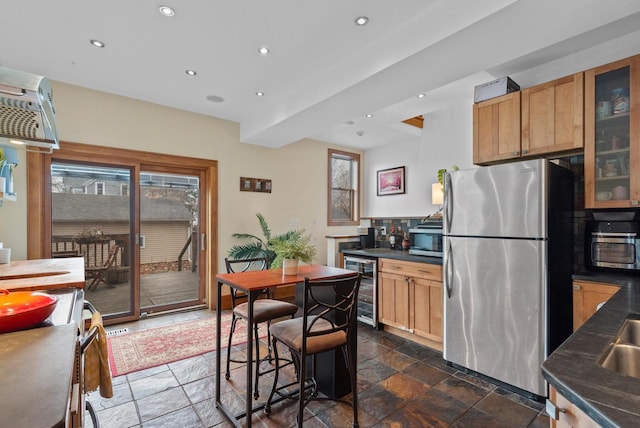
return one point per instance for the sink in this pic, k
(623, 354)
(623, 359)
(630, 332)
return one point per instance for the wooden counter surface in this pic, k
(42, 274)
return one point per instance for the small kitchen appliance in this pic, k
(426, 239)
(612, 241)
(367, 237)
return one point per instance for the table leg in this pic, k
(251, 297)
(218, 340)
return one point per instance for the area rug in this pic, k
(139, 350)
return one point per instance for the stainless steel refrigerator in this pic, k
(508, 239)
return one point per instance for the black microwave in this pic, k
(426, 239)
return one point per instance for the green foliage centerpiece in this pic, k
(292, 249)
(292, 245)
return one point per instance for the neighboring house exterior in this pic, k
(165, 228)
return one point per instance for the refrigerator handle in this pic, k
(448, 202)
(448, 269)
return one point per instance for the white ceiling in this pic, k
(324, 73)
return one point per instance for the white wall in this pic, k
(446, 141)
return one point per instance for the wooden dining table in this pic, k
(252, 283)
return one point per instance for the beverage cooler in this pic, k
(368, 295)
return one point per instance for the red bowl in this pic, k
(20, 310)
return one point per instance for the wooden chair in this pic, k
(98, 274)
(265, 309)
(328, 322)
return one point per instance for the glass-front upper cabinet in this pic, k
(612, 146)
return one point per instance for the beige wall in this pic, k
(298, 170)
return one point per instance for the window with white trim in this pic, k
(343, 188)
(99, 187)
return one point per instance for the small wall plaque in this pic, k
(248, 184)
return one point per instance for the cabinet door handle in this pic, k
(553, 411)
(524, 151)
(408, 330)
(516, 153)
(448, 270)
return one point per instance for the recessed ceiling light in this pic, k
(263, 50)
(191, 72)
(166, 11)
(260, 94)
(97, 43)
(361, 20)
(421, 95)
(215, 99)
(369, 115)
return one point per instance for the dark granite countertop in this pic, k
(608, 397)
(387, 253)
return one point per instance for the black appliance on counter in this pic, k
(426, 239)
(367, 237)
(612, 240)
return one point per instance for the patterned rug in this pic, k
(141, 350)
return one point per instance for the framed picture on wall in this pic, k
(261, 185)
(391, 181)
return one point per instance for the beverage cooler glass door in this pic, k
(368, 294)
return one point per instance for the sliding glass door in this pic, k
(169, 240)
(140, 227)
(91, 218)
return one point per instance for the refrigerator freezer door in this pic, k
(495, 308)
(502, 200)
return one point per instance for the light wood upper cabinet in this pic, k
(553, 116)
(612, 135)
(587, 296)
(496, 129)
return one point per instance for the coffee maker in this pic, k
(367, 237)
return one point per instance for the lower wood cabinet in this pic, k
(587, 295)
(568, 415)
(410, 297)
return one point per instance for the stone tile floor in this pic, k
(400, 384)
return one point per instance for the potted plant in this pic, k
(260, 247)
(441, 173)
(291, 249)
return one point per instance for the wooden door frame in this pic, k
(39, 202)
